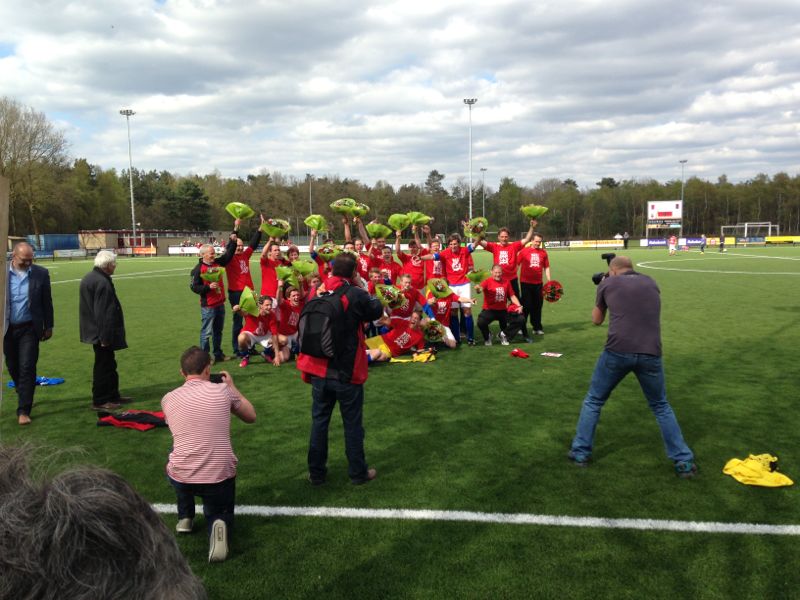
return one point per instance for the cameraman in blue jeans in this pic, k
(633, 345)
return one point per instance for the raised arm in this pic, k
(346, 223)
(312, 241)
(529, 236)
(362, 230)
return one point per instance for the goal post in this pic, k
(750, 232)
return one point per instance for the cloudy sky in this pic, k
(374, 90)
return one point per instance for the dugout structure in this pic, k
(750, 232)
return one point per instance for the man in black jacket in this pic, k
(28, 320)
(102, 325)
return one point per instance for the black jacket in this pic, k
(40, 300)
(100, 312)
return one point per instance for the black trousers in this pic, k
(105, 380)
(489, 316)
(21, 349)
(532, 303)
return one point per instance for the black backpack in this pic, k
(321, 324)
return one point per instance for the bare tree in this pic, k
(32, 151)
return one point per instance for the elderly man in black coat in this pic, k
(28, 320)
(102, 325)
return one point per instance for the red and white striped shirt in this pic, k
(199, 417)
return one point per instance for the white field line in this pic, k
(133, 275)
(649, 265)
(506, 519)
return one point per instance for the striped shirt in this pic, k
(199, 417)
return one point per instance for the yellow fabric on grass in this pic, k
(377, 343)
(755, 470)
(419, 357)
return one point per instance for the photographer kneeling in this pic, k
(634, 344)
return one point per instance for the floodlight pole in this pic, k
(309, 176)
(128, 113)
(469, 102)
(683, 164)
(483, 190)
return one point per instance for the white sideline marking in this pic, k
(132, 275)
(649, 265)
(505, 519)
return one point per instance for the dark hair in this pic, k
(455, 237)
(344, 265)
(83, 533)
(502, 229)
(194, 361)
(536, 234)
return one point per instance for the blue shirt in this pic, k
(18, 296)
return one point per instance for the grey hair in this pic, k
(84, 533)
(104, 258)
(203, 249)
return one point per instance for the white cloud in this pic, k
(583, 90)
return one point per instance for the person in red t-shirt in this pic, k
(457, 263)
(399, 317)
(412, 261)
(496, 296)
(270, 259)
(323, 265)
(262, 330)
(434, 269)
(237, 271)
(212, 295)
(398, 341)
(290, 305)
(389, 269)
(504, 253)
(442, 308)
(533, 262)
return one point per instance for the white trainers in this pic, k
(184, 525)
(488, 342)
(503, 339)
(539, 332)
(218, 544)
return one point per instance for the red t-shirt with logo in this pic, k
(506, 257)
(456, 265)
(403, 339)
(260, 325)
(238, 271)
(400, 316)
(413, 265)
(269, 277)
(442, 307)
(289, 317)
(532, 262)
(496, 294)
(389, 270)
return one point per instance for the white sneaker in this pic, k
(218, 545)
(488, 342)
(539, 332)
(503, 339)
(184, 525)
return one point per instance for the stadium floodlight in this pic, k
(469, 102)
(683, 162)
(128, 113)
(483, 190)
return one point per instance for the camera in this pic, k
(598, 277)
(215, 378)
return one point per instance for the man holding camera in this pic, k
(633, 345)
(202, 462)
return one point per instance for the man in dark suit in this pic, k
(28, 320)
(102, 325)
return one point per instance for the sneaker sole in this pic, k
(218, 547)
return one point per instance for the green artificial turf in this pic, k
(478, 430)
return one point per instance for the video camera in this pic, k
(598, 277)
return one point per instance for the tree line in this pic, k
(51, 193)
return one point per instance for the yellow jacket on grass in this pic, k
(757, 469)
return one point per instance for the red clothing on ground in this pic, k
(496, 294)
(532, 263)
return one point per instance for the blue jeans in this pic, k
(211, 322)
(219, 500)
(234, 297)
(611, 368)
(324, 395)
